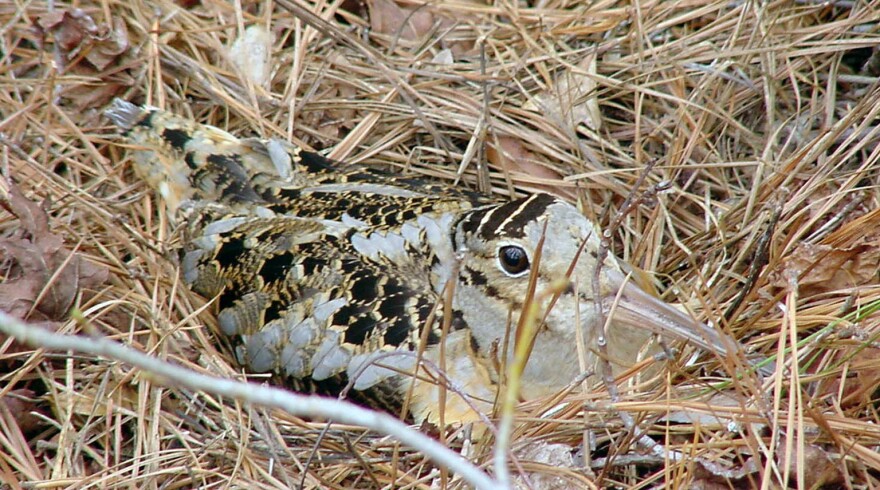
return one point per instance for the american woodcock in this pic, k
(326, 272)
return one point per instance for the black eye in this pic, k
(513, 259)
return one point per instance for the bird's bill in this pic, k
(631, 305)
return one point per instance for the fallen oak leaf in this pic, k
(818, 469)
(856, 385)
(20, 405)
(512, 157)
(387, 17)
(17, 295)
(412, 23)
(44, 277)
(571, 101)
(95, 53)
(76, 34)
(823, 268)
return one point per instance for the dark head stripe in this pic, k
(470, 222)
(510, 219)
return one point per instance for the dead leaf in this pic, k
(860, 384)
(554, 456)
(822, 268)
(387, 17)
(251, 53)
(414, 23)
(819, 470)
(862, 390)
(20, 405)
(339, 115)
(444, 57)
(511, 155)
(76, 34)
(90, 95)
(43, 276)
(108, 46)
(707, 484)
(17, 296)
(571, 101)
(67, 31)
(85, 49)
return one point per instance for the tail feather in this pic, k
(185, 161)
(124, 114)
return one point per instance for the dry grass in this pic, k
(759, 114)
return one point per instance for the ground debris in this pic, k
(43, 277)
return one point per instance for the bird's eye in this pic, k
(513, 260)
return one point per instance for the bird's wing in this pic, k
(304, 302)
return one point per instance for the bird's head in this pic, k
(499, 248)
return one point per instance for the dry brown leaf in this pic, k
(557, 456)
(68, 27)
(707, 484)
(571, 101)
(36, 257)
(20, 405)
(860, 384)
(387, 17)
(339, 117)
(413, 23)
(17, 295)
(77, 37)
(710, 476)
(83, 97)
(861, 390)
(76, 34)
(824, 268)
(511, 155)
(819, 470)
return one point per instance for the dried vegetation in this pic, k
(760, 117)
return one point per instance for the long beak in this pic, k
(629, 304)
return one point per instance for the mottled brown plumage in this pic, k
(328, 273)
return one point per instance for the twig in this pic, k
(602, 343)
(632, 200)
(641, 437)
(293, 403)
(760, 258)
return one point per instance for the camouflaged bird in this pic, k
(326, 272)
